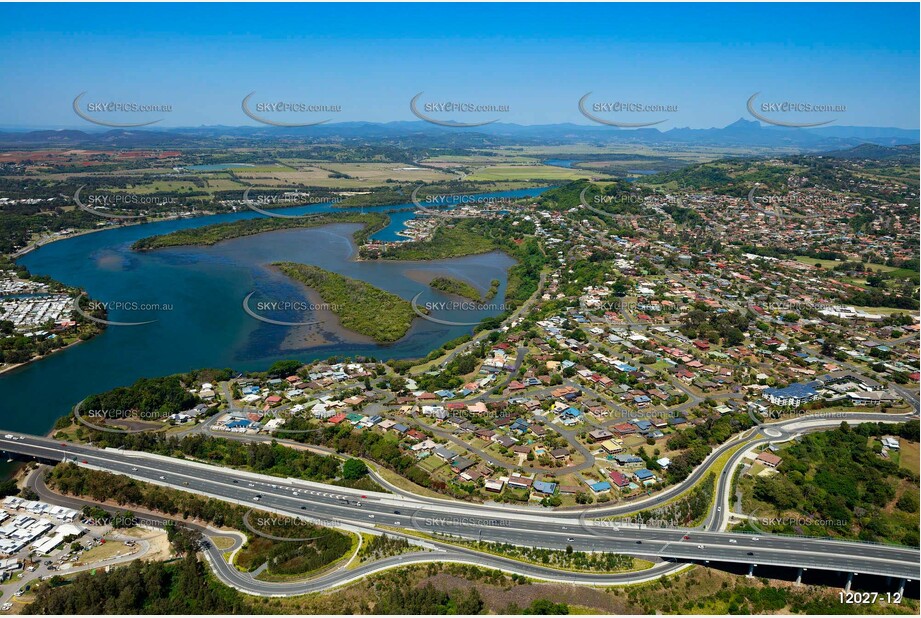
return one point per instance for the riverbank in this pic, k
(209, 235)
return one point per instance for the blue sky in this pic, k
(538, 59)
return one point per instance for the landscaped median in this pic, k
(559, 560)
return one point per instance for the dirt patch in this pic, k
(160, 548)
(498, 598)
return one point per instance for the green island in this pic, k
(360, 307)
(450, 285)
(493, 289)
(213, 234)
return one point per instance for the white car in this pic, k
(700, 547)
(8, 436)
(162, 478)
(754, 538)
(733, 541)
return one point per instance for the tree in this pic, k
(283, 368)
(353, 469)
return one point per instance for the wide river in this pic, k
(195, 297)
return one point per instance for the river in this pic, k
(195, 295)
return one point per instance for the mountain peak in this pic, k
(741, 123)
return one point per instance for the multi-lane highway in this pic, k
(537, 528)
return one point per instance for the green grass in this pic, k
(360, 306)
(527, 172)
(450, 285)
(910, 456)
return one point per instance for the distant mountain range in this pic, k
(742, 133)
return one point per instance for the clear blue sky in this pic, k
(536, 58)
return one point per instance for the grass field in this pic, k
(104, 552)
(527, 172)
(223, 183)
(910, 456)
(221, 542)
(173, 186)
(901, 273)
(343, 175)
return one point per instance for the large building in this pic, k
(793, 395)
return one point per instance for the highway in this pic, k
(433, 552)
(531, 528)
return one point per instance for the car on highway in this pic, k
(257, 497)
(700, 547)
(733, 541)
(685, 538)
(134, 469)
(370, 516)
(85, 461)
(751, 553)
(754, 538)
(162, 478)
